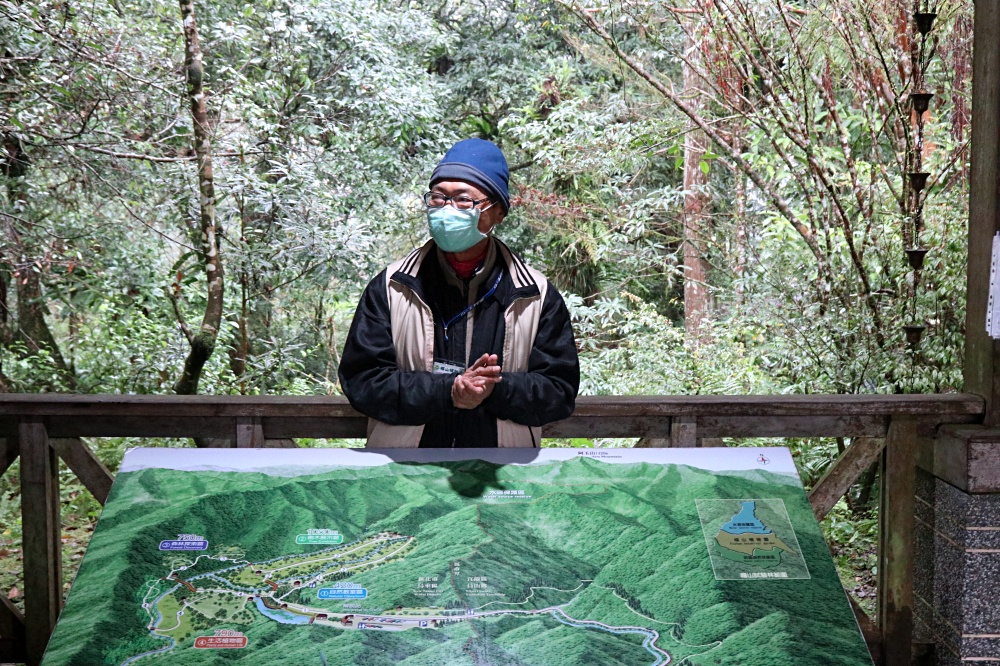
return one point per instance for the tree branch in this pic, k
(181, 321)
(782, 206)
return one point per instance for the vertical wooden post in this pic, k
(249, 432)
(11, 632)
(41, 540)
(684, 431)
(8, 454)
(896, 522)
(982, 353)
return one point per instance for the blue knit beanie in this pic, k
(480, 163)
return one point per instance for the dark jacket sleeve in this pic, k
(547, 391)
(373, 383)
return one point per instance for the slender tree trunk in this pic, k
(741, 234)
(5, 314)
(696, 295)
(30, 326)
(203, 342)
(5, 319)
(31, 310)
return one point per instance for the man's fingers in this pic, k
(483, 362)
(476, 384)
(481, 380)
(462, 384)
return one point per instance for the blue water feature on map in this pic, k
(746, 521)
(284, 617)
(153, 633)
(646, 643)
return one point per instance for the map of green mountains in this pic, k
(478, 557)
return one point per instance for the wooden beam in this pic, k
(843, 473)
(171, 422)
(792, 426)
(286, 417)
(11, 632)
(967, 457)
(341, 427)
(292, 407)
(41, 537)
(8, 453)
(684, 432)
(579, 425)
(656, 427)
(896, 518)
(81, 460)
(280, 444)
(11, 651)
(873, 637)
(249, 432)
(982, 353)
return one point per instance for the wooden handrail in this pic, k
(66, 404)
(39, 427)
(282, 417)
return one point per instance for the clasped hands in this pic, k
(476, 384)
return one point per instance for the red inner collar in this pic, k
(466, 269)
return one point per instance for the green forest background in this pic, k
(195, 193)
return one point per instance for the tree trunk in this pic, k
(5, 319)
(5, 314)
(203, 342)
(741, 234)
(32, 328)
(696, 296)
(29, 326)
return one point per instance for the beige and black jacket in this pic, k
(398, 332)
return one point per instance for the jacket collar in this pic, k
(522, 285)
(481, 275)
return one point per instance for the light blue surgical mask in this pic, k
(455, 230)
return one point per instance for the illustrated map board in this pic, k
(477, 557)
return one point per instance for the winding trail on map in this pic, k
(378, 549)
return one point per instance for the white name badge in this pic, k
(446, 368)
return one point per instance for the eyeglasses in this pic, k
(461, 202)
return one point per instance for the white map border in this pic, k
(301, 462)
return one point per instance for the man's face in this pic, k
(489, 218)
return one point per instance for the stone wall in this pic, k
(957, 567)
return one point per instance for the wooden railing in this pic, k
(894, 429)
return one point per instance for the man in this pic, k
(461, 343)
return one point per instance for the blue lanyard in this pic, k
(469, 309)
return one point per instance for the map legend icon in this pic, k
(751, 539)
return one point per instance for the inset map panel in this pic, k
(751, 539)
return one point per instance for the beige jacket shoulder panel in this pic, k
(521, 326)
(413, 339)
